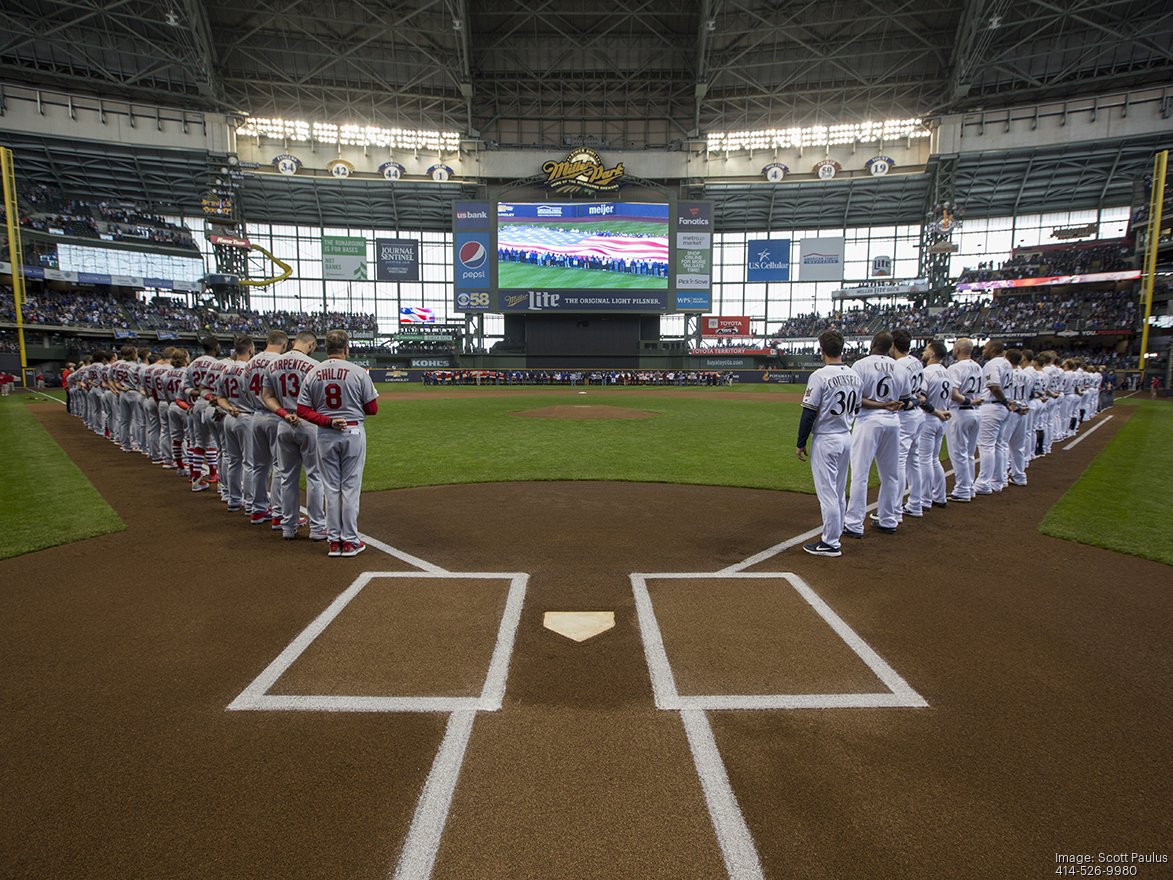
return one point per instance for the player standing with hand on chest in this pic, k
(828, 409)
(337, 396)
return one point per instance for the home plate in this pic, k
(579, 625)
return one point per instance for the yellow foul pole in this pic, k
(1156, 201)
(15, 252)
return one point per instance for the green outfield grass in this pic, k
(520, 276)
(422, 389)
(47, 500)
(1121, 502)
(416, 441)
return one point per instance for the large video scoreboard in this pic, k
(559, 256)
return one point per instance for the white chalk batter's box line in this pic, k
(256, 696)
(898, 695)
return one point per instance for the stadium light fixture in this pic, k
(816, 136)
(349, 135)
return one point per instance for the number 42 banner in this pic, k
(344, 258)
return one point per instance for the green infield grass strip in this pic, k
(417, 441)
(47, 500)
(1121, 502)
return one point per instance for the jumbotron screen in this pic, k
(583, 246)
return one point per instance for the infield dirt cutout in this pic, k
(586, 411)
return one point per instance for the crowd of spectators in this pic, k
(45, 209)
(707, 378)
(1076, 260)
(1026, 313)
(107, 311)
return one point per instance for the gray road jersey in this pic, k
(338, 389)
(231, 385)
(196, 374)
(254, 381)
(286, 375)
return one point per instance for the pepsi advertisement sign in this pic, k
(471, 266)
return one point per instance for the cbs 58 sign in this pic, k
(472, 301)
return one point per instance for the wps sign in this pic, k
(397, 259)
(821, 259)
(718, 325)
(344, 258)
(768, 260)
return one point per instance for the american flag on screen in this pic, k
(416, 315)
(579, 244)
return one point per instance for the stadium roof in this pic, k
(644, 74)
(652, 75)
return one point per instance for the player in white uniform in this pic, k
(927, 483)
(337, 396)
(911, 416)
(297, 440)
(1022, 386)
(829, 407)
(200, 391)
(995, 412)
(876, 437)
(1053, 388)
(263, 491)
(961, 432)
(237, 428)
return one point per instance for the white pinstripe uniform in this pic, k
(834, 393)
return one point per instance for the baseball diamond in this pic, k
(747, 457)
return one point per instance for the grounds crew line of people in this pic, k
(891, 411)
(248, 425)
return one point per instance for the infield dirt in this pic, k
(1045, 665)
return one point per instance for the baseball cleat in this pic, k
(199, 484)
(1016, 483)
(822, 549)
(259, 518)
(276, 524)
(958, 499)
(317, 538)
(335, 548)
(980, 492)
(940, 504)
(848, 533)
(302, 520)
(887, 530)
(292, 537)
(913, 513)
(234, 507)
(349, 549)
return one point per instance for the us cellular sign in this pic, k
(768, 260)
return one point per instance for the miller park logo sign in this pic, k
(582, 171)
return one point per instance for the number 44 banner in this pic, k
(344, 258)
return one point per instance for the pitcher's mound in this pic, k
(586, 412)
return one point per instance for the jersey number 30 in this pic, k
(844, 401)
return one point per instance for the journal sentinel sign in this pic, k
(768, 260)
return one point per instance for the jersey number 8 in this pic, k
(333, 396)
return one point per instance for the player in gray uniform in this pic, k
(876, 437)
(178, 408)
(829, 407)
(152, 421)
(995, 414)
(297, 440)
(264, 488)
(237, 423)
(927, 481)
(1022, 386)
(123, 382)
(337, 396)
(961, 432)
(201, 394)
